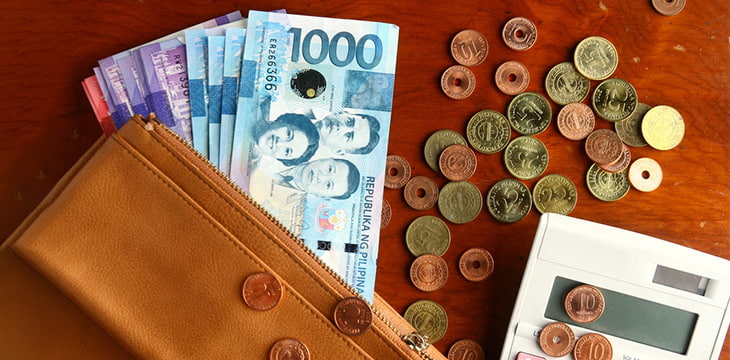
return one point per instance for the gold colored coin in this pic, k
(509, 201)
(529, 113)
(429, 272)
(615, 99)
(428, 235)
(353, 316)
(595, 57)
(621, 164)
(421, 193)
(512, 77)
(289, 349)
(668, 7)
(565, 85)
(460, 202)
(629, 129)
(488, 131)
(457, 162)
(437, 142)
(386, 213)
(428, 318)
(603, 146)
(519, 33)
(576, 121)
(663, 127)
(397, 172)
(607, 186)
(466, 349)
(476, 264)
(557, 339)
(469, 47)
(458, 82)
(593, 346)
(555, 193)
(584, 304)
(526, 157)
(645, 174)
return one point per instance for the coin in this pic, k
(428, 235)
(289, 349)
(512, 77)
(555, 193)
(629, 129)
(397, 172)
(595, 57)
(663, 127)
(557, 339)
(469, 47)
(593, 346)
(529, 113)
(466, 349)
(519, 33)
(565, 85)
(458, 82)
(460, 202)
(428, 318)
(645, 174)
(509, 200)
(421, 193)
(622, 163)
(576, 121)
(261, 291)
(353, 316)
(457, 162)
(603, 146)
(488, 131)
(607, 186)
(668, 7)
(476, 264)
(429, 272)
(584, 304)
(386, 213)
(615, 99)
(437, 142)
(526, 157)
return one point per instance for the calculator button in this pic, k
(524, 356)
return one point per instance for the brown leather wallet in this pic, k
(142, 251)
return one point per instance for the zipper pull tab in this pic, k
(148, 121)
(416, 341)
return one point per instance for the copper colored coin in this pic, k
(353, 316)
(466, 349)
(397, 172)
(386, 213)
(584, 304)
(604, 147)
(457, 162)
(668, 7)
(476, 264)
(261, 291)
(622, 163)
(519, 33)
(458, 82)
(429, 272)
(469, 47)
(576, 121)
(512, 77)
(289, 349)
(421, 193)
(593, 347)
(557, 339)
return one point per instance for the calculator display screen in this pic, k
(630, 318)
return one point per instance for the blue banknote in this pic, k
(311, 132)
(216, 46)
(233, 53)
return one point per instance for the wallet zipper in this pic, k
(414, 340)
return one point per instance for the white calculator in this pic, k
(662, 301)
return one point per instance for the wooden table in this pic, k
(47, 49)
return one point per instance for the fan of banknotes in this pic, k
(294, 109)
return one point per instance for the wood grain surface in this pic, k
(48, 47)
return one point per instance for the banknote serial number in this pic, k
(271, 66)
(316, 46)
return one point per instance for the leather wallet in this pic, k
(142, 250)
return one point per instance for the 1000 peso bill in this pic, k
(311, 132)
